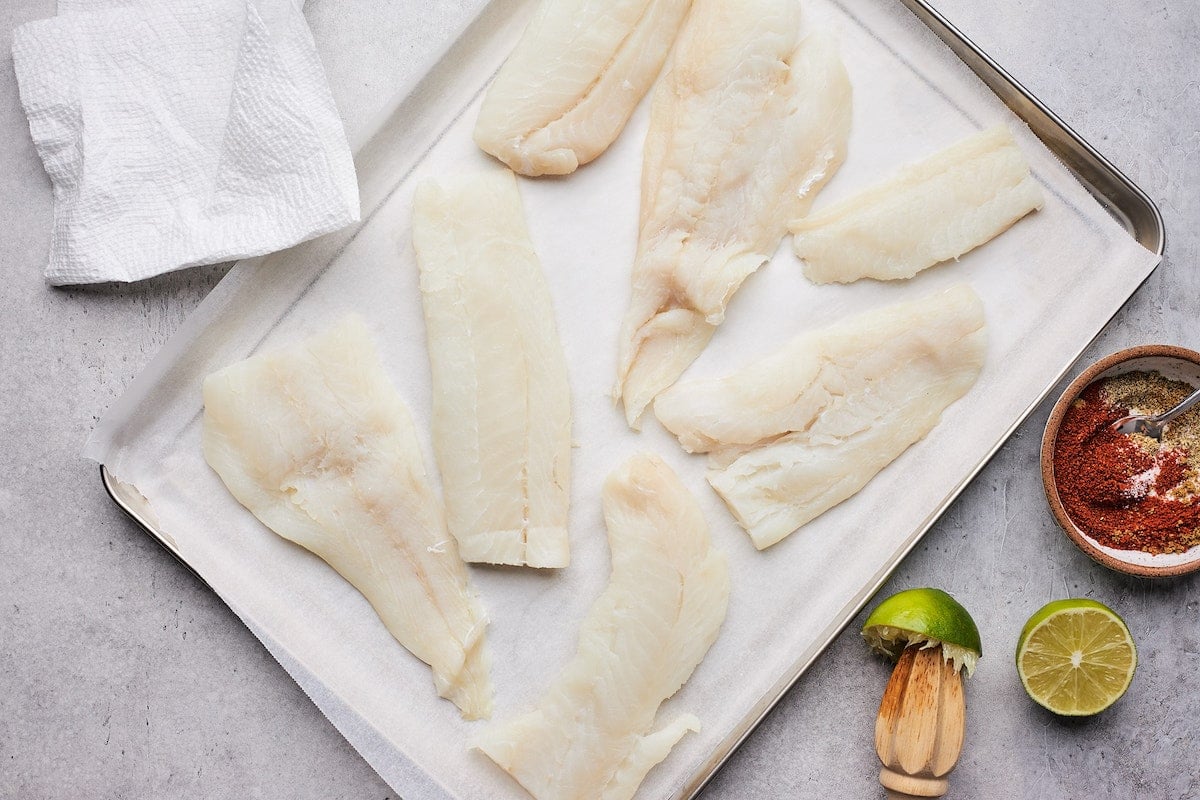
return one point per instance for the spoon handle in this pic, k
(1187, 403)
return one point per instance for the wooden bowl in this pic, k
(1175, 363)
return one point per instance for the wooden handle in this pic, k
(919, 730)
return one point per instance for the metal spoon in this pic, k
(1153, 425)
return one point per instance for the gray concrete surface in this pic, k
(122, 677)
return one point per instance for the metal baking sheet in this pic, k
(426, 118)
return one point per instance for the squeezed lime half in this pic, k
(928, 617)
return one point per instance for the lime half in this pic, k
(1076, 657)
(928, 617)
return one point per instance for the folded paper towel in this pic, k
(179, 133)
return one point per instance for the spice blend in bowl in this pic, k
(1129, 491)
(1126, 500)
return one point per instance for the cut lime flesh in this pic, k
(1076, 657)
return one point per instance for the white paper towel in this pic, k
(179, 133)
(1047, 284)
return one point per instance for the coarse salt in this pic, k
(1142, 484)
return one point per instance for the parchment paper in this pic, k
(1048, 285)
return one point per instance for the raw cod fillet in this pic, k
(589, 736)
(745, 129)
(926, 213)
(797, 432)
(574, 79)
(501, 401)
(316, 443)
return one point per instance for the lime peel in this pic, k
(891, 642)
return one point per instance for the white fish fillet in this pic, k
(927, 212)
(799, 431)
(575, 77)
(316, 443)
(642, 638)
(745, 128)
(501, 401)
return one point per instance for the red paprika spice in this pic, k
(1128, 492)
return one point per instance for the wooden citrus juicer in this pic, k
(922, 718)
(919, 730)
